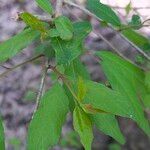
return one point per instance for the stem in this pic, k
(58, 11)
(94, 16)
(41, 89)
(19, 65)
(116, 50)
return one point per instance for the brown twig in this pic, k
(58, 11)
(19, 65)
(41, 88)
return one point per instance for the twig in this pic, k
(115, 49)
(19, 65)
(134, 8)
(41, 89)
(94, 16)
(58, 8)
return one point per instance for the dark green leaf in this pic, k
(82, 124)
(64, 27)
(67, 51)
(45, 127)
(129, 81)
(45, 5)
(77, 69)
(104, 12)
(46, 49)
(105, 99)
(2, 142)
(138, 39)
(15, 44)
(136, 22)
(108, 124)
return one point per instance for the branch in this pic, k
(134, 8)
(41, 89)
(19, 65)
(94, 16)
(58, 11)
(115, 49)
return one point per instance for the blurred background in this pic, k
(18, 90)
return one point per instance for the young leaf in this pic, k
(45, 5)
(33, 22)
(128, 8)
(128, 80)
(45, 128)
(138, 39)
(15, 44)
(108, 124)
(82, 124)
(64, 27)
(103, 98)
(81, 88)
(2, 142)
(104, 12)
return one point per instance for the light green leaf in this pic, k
(104, 12)
(45, 127)
(45, 5)
(81, 88)
(129, 81)
(82, 124)
(11, 47)
(53, 33)
(33, 22)
(128, 8)
(138, 39)
(108, 124)
(103, 98)
(2, 142)
(64, 27)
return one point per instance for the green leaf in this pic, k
(103, 12)
(103, 98)
(138, 39)
(108, 124)
(46, 49)
(45, 5)
(64, 27)
(33, 22)
(76, 69)
(53, 33)
(82, 124)
(2, 142)
(67, 51)
(11, 47)
(147, 79)
(45, 127)
(136, 22)
(81, 88)
(129, 81)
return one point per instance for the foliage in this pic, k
(90, 103)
